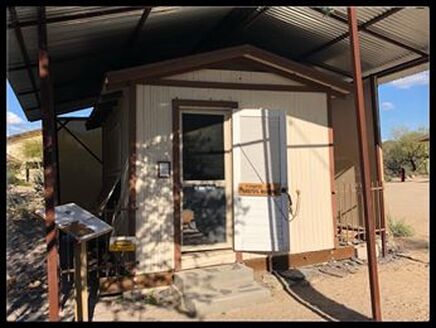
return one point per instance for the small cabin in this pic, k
(223, 156)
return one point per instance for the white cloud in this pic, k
(14, 119)
(386, 105)
(412, 80)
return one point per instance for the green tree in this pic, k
(32, 149)
(405, 150)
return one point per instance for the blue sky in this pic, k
(16, 120)
(404, 102)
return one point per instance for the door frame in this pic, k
(178, 105)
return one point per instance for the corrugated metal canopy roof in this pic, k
(86, 42)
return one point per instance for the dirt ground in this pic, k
(404, 279)
(409, 201)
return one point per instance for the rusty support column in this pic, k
(364, 159)
(49, 140)
(379, 159)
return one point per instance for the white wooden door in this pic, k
(259, 160)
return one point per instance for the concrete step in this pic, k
(215, 277)
(202, 301)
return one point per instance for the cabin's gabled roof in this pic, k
(263, 59)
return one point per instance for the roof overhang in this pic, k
(85, 43)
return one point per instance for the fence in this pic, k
(350, 214)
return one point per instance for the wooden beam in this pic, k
(375, 34)
(365, 164)
(236, 86)
(345, 35)
(378, 157)
(49, 139)
(81, 282)
(284, 262)
(133, 152)
(203, 60)
(19, 35)
(177, 237)
(332, 169)
(85, 15)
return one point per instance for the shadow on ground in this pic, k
(330, 310)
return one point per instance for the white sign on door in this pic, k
(259, 177)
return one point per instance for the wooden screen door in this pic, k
(260, 181)
(205, 179)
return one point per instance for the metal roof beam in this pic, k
(403, 66)
(331, 69)
(237, 18)
(343, 20)
(58, 86)
(16, 25)
(130, 42)
(345, 35)
(84, 15)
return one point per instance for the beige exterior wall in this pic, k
(80, 174)
(308, 162)
(346, 148)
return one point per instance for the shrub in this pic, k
(399, 229)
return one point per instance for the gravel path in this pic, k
(25, 258)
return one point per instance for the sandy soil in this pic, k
(409, 201)
(404, 281)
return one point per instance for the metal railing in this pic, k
(350, 216)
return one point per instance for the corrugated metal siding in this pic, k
(308, 167)
(81, 51)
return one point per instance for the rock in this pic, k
(133, 295)
(11, 280)
(358, 261)
(332, 271)
(34, 284)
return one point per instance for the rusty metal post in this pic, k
(364, 158)
(50, 169)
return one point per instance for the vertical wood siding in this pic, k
(308, 165)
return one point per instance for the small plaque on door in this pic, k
(259, 189)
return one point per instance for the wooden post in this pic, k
(379, 160)
(81, 281)
(50, 169)
(364, 157)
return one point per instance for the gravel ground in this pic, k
(25, 258)
(334, 292)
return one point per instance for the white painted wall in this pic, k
(307, 153)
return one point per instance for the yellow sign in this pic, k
(259, 189)
(122, 244)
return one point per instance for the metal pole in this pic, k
(50, 169)
(364, 158)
